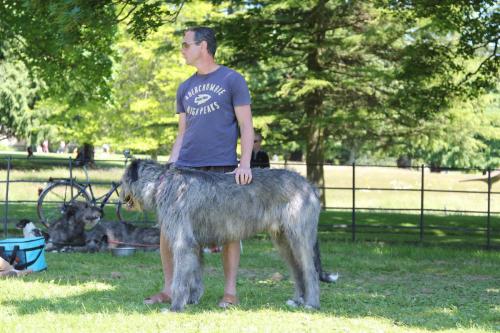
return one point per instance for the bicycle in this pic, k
(61, 192)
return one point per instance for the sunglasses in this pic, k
(186, 45)
(255, 141)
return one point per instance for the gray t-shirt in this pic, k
(211, 125)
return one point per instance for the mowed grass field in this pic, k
(381, 289)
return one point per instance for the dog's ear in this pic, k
(70, 210)
(22, 223)
(134, 170)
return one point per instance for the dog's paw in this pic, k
(293, 304)
(176, 308)
(329, 277)
(310, 307)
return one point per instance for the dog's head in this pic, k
(22, 223)
(96, 239)
(29, 228)
(83, 212)
(139, 181)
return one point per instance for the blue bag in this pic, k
(24, 253)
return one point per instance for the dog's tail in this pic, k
(323, 276)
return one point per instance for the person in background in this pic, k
(260, 159)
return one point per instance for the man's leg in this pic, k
(167, 263)
(231, 261)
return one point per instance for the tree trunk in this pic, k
(85, 155)
(154, 155)
(315, 157)
(313, 104)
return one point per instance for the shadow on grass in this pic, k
(423, 288)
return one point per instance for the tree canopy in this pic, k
(335, 79)
(370, 74)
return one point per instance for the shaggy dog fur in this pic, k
(114, 234)
(197, 208)
(70, 228)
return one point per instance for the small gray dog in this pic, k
(197, 208)
(70, 228)
(112, 234)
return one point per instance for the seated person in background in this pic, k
(7, 269)
(260, 159)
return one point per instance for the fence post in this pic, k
(71, 175)
(6, 217)
(353, 225)
(488, 219)
(422, 204)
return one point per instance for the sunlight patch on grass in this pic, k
(50, 289)
(209, 321)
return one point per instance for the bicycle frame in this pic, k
(87, 187)
(105, 197)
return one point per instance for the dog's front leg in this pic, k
(186, 268)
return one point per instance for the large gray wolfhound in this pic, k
(198, 208)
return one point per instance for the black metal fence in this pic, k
(348, 192)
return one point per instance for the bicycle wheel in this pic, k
(56, 197)
(133, 216)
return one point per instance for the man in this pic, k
(211, 104)
(260, 159)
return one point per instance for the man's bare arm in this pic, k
(243, 174)
(178, 141)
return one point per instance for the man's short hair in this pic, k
(205, 34)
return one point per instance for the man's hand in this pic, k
(243, 175)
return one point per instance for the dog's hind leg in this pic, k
(284, 247)
(304, 254)
(196, 290)
(303, 251)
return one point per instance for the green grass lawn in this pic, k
(445, 230)
(381, 289)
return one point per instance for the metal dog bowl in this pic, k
(123, 251)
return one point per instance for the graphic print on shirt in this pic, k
(203, 99)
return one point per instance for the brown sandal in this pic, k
(161, 297)
(228, 301)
